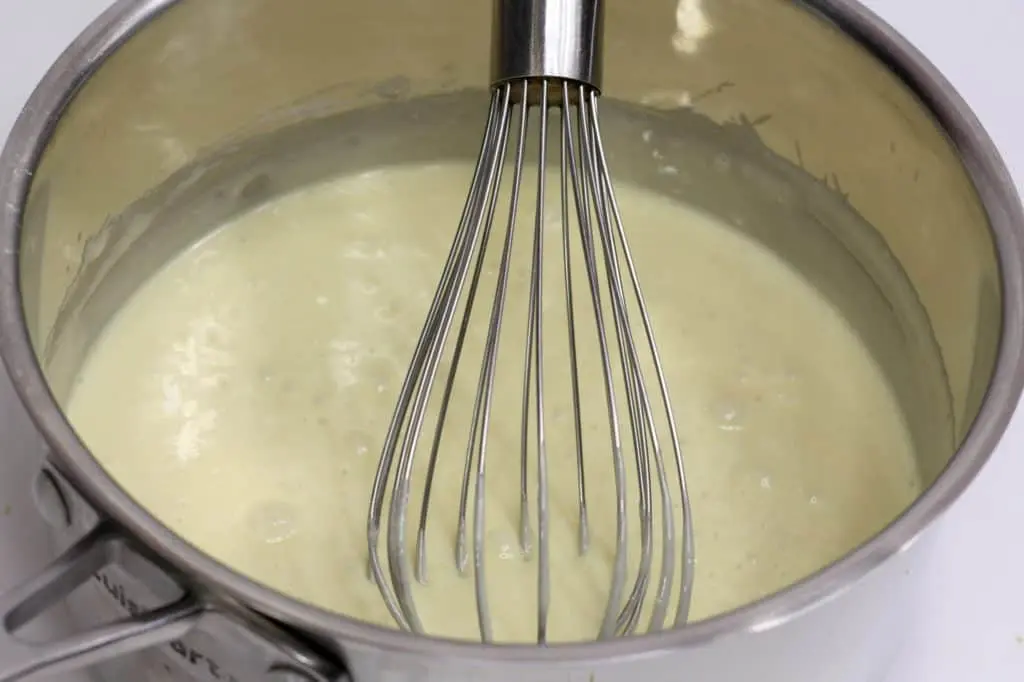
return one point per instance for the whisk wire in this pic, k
(536, 340)
(632, 379)
(399, 566)
(686, 587)
(585, 182)
(397, 601)
(485, 391)
(583, 532)
(488, 197)
(581, 173)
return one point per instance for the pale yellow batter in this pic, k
(243, 394)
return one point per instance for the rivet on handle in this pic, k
(50, 501)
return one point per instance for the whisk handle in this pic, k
(547, 39)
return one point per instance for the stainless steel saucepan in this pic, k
(811, 126)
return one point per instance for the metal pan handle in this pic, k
(270, 653)
(23, 604)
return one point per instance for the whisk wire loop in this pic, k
(631, 392)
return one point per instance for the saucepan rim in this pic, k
(32, 132)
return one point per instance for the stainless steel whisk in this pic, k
(546, 56)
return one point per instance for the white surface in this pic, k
(971, 627)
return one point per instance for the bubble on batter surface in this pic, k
(273, 522)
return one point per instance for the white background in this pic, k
(971, 627)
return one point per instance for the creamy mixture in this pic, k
(243, 394)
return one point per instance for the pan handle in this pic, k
(22, 605)
(272, 654)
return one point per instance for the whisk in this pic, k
(546, 57)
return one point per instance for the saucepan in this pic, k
(166, 113)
